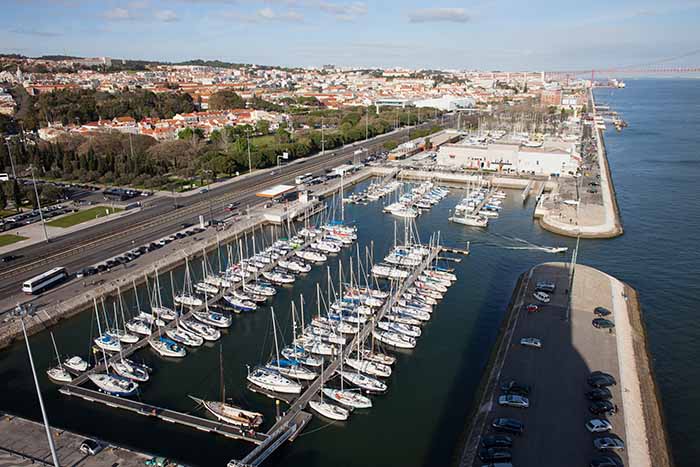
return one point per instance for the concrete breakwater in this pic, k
(571, 348)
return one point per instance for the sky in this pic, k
(552, 35)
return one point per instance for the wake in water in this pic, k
(527, 245)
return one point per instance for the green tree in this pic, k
(262, 127)
(222, 100)
(3, 197)
(16, 194)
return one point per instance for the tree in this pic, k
(262, 127)
(3, 197)
(16, 194)
(222, 100)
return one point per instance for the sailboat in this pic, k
(166, 347)
(186, 297)
(58, 374)
(288, 367)
(226, 412)
(105, 341)
(328, 410)
(157, 307)
(270, 379)
(111, 383)
(347, 397)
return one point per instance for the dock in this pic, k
(288, 424)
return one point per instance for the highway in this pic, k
(159, 218)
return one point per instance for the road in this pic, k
(106, 240)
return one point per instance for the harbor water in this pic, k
(419, 421)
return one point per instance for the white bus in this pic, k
(4, 177)
(301, 179)
(44, 281)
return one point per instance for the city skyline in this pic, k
(481, 35)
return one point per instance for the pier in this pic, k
(288, 424)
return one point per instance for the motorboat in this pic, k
(471, 220)
(58, 374)
(76, 363)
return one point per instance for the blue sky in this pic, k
(486, 35)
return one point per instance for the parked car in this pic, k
(531, 342)
(598, 425)
(514, 400)
(602, 323)
(600, 379)
(508, 425)
(599, 394)
(90, 447)
(602, 311)
(546, 286)
(495, 454)
(602, 408)
(541, 296)
(607, 461)
(513, 387)
(532, 308)
(609, 442)
(9, 258)
(496, 441)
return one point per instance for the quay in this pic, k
(557, 373)
(23, 443)
(288, 424)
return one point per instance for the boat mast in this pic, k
(221, 373)
(274, 333)
(58, 357)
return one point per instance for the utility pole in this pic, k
(38, 393)
(250, 164)
(12, 162)
(323, 141)
(38, 202)
(366, 123)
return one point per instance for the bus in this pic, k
(4, 177)
(43, 281)
(301, 179)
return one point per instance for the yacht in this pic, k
(228, 413)
(181, 336)
(348, 398)
(369, 367)
(471, 220)
(291, 369)
(328, 410)
(212, 318)
(167, 348)
(273, 381)
(208, 333)
(58, 374)
(114, 384)
(362, 381)
(394, 339)
(188, 300)
(76, 364)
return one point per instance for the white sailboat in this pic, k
(326, 409)
(58, 373)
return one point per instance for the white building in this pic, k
(557, 158)
(447, 103)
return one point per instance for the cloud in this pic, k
(36, 32)
(266, 15)
(167, 16)
(432, 15)
(119, 14)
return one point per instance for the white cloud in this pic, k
(431, 15)
(119, 14)
(265, 15)
(167, 16)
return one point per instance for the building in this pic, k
(392, 102)
(447, 103)
(557, 158)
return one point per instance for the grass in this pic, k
(83, 216)
(7, 212)
(9, 239)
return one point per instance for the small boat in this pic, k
(312, 256)
(188, 300)
(114, 384)
(208, 333)
(394, 339)
(206, 288)
(58, 374)
(184, 337)
(167, 347)
(369, 367)
(555, 250)
(240, 304)
(302, 356)
(139, 326)
(231, 414)
(133, 372)
(273, 381)
(291, 369)
(348, 398)
(471, 220)
(407, 329)
(362, 381)
(212, 318)
(108, 343)
(278, 277)
(76, 364)
(328, 410)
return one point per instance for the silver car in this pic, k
(598, 425)
(513, 400)
(609, 443)
(531, 342)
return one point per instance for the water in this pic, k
(421, 418)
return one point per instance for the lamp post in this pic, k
(52, 448)
(38, 203)
(250, 164)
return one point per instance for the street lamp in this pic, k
(38, 203)
(250, 164)
(21, 312)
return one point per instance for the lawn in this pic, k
(82, 216)
(9, 239)
(7, 213)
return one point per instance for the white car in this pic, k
(542, 296)
(598, 425)
(513, 400)
(531, 342)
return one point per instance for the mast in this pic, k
(56, 350)
(274, 333)
(221, 373)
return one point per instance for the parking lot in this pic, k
(555, 434)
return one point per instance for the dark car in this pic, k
(602, 323)
(601, 311)
(180, 235)
(496, 441)
(101, 268)
(508, 425)
(602, 408)
(495, 454)
(599, 394)
(111, 263)
(606, 461)
(513, 387)
(143, 249)
(90, 447)
(8, 258)
(600, 379)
